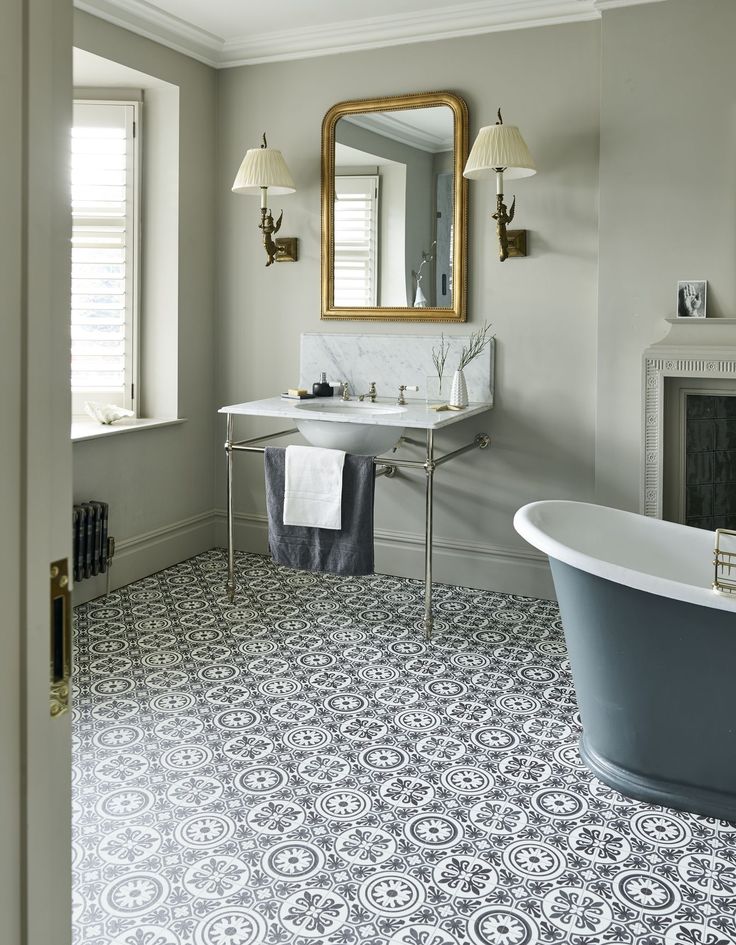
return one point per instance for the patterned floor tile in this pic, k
(300, 767)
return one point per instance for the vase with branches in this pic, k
(420, 300)
(474, 347)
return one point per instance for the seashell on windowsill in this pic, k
(106, 413)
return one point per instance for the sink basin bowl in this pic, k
(338, 425)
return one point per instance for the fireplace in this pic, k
(689, 424)
(699, 452)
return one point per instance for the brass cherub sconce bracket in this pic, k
(284, 249)
(500, 149)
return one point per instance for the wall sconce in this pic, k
(265, 169)
(499, 149)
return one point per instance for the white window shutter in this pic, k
(104, 204)
(356, 241)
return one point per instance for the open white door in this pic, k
(35, 465)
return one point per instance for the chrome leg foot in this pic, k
(428, 627)
(230, 590)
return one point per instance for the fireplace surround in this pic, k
(700, 350)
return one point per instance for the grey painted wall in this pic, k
(542, 308)
(667, 201)
(161, 481)
(653, 85)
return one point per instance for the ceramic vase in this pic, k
(459, 390)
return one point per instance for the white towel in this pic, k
(313, 487)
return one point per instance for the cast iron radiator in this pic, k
(93, 548)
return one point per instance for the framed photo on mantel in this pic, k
(691, 298)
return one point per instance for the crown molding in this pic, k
(465, 19)
(391, 126)
(146, 20)
(615, 4)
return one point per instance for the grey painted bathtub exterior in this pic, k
(656, 685)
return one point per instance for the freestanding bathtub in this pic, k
(652, 649)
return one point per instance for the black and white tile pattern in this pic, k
(301, 767)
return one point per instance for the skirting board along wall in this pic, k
(467, 564)
(137, 557)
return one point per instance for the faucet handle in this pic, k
(402, 387)
(345, 389)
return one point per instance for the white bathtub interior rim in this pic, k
(641, 552)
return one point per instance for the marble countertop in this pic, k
(415, 415)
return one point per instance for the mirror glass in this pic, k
(394, 208)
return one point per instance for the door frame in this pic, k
(36, 463)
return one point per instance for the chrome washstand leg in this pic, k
(230, 586)
(429, 467)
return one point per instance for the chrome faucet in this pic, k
(345, 391)
(371, 394)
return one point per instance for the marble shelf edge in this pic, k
(416, 416)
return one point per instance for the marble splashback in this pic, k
(390, 360)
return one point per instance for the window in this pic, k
(356, 241)
(105, 184)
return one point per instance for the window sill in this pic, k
(87, 429)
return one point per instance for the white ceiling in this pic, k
(226, 33)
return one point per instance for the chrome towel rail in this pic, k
(386, 466)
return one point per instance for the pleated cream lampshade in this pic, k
(263, 167)
(499, 146)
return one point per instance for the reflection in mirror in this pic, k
(390, 169)
(393, 230)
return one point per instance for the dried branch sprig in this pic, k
(477, 343)
(439, 357)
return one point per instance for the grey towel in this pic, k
(347, 551)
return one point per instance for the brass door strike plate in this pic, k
(60, 655)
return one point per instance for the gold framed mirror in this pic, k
(394, 208)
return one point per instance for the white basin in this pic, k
(338, 425)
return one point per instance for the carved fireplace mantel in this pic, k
(693, 348)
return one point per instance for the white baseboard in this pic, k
(152, 551)
(464, 563)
